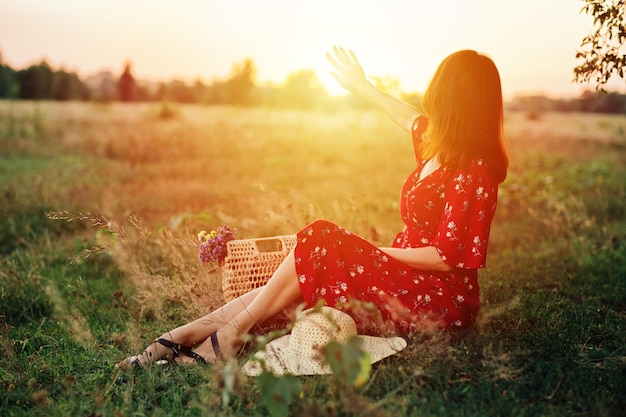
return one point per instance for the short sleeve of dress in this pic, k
(417, 130)
(463, 232)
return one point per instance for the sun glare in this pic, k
(329, 83)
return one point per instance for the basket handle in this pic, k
(270, 244)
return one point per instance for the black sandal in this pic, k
(176, 348)
(179, 350)
(216, 348)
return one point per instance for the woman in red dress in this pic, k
(429, 275)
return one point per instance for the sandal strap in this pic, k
(179, 350)
(134, 361)
(216, 349)
(216, 345)
(196, 357)
(176, 348)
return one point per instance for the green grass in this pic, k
(550, 339)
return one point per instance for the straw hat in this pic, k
(299, 352)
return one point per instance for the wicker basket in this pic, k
(249, 263)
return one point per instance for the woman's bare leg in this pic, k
(239, 316)
(196, 331)
(281, 292)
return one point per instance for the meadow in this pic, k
(99, 212)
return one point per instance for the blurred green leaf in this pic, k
(277, 392)
(349, 362)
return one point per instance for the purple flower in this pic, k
(213, 244)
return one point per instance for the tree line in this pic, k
(301, 89)
(41, 82)
(595, 101)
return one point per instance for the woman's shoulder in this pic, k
(419, 126)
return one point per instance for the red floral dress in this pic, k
(450, 209)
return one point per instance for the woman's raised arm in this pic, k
(351, 76)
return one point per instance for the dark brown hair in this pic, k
(464, 106)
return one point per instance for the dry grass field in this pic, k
(264, 170)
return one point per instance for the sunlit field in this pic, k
(99, 212)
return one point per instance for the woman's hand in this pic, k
(349, 74)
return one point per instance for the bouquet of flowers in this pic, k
(213, 244)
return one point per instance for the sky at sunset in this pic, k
(533, 42)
